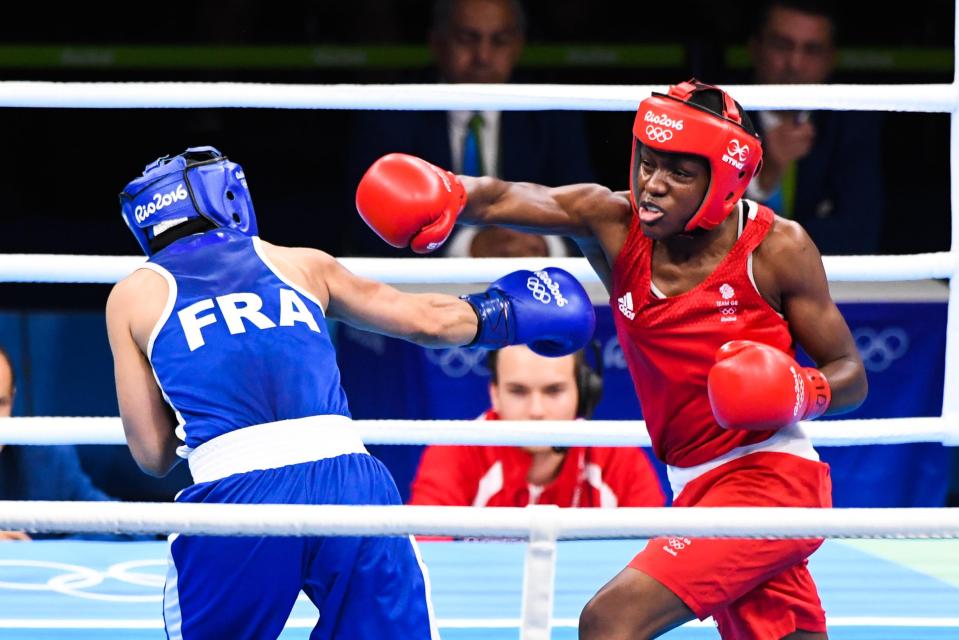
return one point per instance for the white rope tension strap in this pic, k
(926, 98)
(600, 433)
(27, 267)
(507, 522)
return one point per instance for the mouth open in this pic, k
(649, 212)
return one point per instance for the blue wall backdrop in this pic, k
(903, 346)
(63, 367)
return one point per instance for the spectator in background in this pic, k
(527, 386)
(821, 168)
(37, 472)
(501, 242)
(474, 41)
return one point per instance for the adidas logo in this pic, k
(626, 305)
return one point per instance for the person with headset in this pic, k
(527, 386)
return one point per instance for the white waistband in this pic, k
(791, 439)
(274, 444)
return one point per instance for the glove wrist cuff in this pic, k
(495, 328)
(818, 393)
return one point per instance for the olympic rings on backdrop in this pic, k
(613, 357)
(879, 349)
(457, 362)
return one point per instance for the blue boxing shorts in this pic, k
(245, 587)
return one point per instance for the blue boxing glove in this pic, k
(548, 310)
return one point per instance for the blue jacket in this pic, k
(46, 473)
(546, 147)
(839, 196)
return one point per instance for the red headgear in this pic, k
(671, 124)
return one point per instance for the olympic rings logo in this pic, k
(458, 362)
(728, 311)
(658, 133)
(879, 349)
(679, 543)
(536, 286)
(613, 357)
(77, 580)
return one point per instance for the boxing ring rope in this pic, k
(87, 269)
(597, 433)
(925, 98)
(541, 525)
(538, 521)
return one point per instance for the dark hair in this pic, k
(443, 12)
(492, 358)
(589, 380)
(809, 7)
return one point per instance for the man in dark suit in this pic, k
(473, 41)
(38, 472)
(821, 168)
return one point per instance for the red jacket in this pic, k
(495, 476)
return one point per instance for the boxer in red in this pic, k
(711, 294)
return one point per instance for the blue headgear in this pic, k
(200, 182)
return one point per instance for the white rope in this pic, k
(950, 401)
(605, 433)
(38, 267)
(41, 267)
(927, 98)
(507, 522)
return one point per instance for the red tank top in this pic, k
(670, 343)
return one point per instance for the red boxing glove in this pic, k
(409, 202)
(755, 386)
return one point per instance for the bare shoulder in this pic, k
(120, 299)
(136, 304)
(790, 255)
(305, 267)
(305, 260)
(788, 239)
(136, 289)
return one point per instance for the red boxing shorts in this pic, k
(752, 588)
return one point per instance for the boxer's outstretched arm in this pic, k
(578, 210)
(410, 202)
(429, 319)
(547, 309)
(595, 217)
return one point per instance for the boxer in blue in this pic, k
(223, 357)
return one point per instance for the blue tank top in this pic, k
(238, 344)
